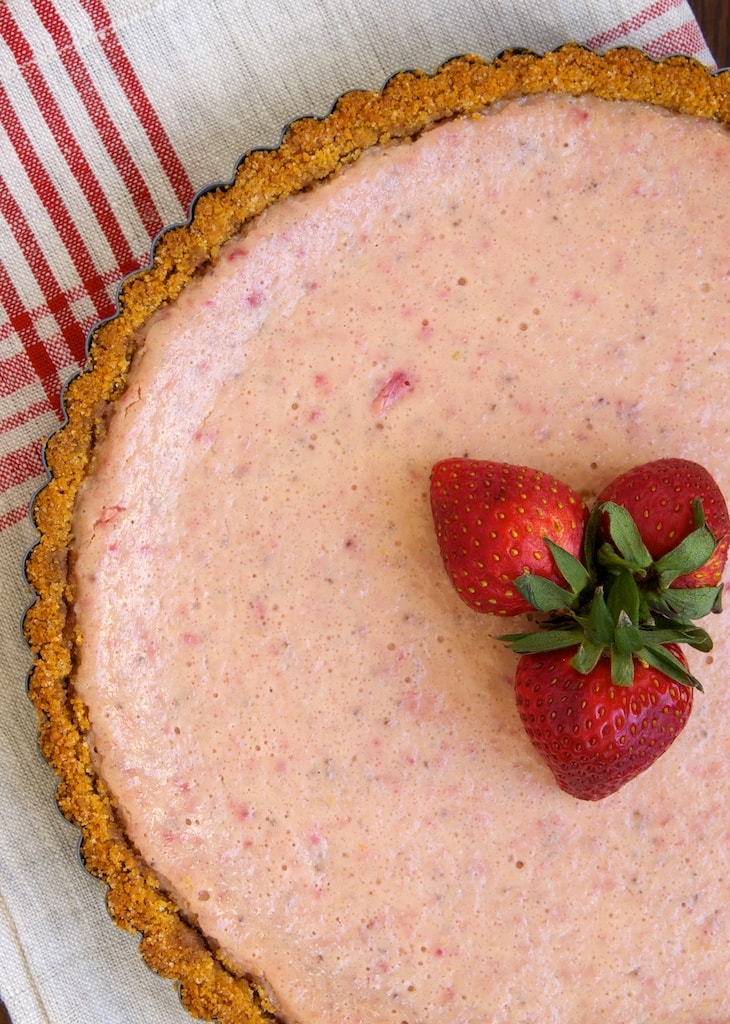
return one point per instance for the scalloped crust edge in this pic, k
(311, 150)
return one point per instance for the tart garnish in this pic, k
(603, 687)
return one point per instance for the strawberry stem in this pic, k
(619, 602)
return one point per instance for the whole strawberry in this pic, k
(492, 520)
(596, 735)
(662, 498)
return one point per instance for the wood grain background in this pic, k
(714, 19)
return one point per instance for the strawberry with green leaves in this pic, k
(603, 687)
(492, 520)
(594, 734)
(663, 498)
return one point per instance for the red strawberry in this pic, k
(491, 521)
(602, 686)
(595, 735)
(660, 495)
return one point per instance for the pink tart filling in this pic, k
(307, 734)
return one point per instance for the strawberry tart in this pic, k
(294, 753)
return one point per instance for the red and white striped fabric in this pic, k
(112, 115)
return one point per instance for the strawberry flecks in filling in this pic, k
(393, 390)
(308, 734)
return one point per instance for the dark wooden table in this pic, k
(714, 19)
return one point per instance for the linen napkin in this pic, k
(112, 114)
